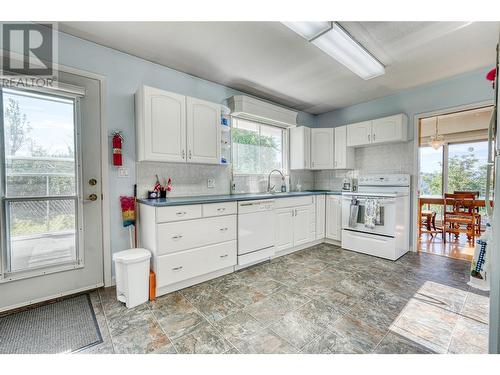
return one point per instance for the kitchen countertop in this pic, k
(179, 201)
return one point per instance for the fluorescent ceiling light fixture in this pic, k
(308, 30)
(337, 43)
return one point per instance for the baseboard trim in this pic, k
(193, 281)
(332, 242)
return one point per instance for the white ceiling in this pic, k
(268, 60)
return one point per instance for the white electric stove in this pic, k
(390, 237)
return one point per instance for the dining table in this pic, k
(439, 200)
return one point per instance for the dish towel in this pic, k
(372, 212)
(353, 214)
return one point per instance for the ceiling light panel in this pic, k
(337, 43)
(308, 30)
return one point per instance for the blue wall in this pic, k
(464, 89)
(124, 74)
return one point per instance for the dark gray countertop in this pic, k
(179, 201)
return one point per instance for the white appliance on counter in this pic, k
(255, 231)
(390, 237)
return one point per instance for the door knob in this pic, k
(92, 197)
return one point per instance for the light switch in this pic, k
(211, 183)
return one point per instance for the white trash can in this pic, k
(132, 276)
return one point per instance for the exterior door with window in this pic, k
(50, 175)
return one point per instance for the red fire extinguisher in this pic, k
(117, 149)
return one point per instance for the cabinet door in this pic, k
(203, 131)
(389, 129)
(161, 125)
(359, 134)
(284, 229)
(333, 218)
(344, 156)
(300, 148)
(301, 227)
(320, 216)
(322, 148)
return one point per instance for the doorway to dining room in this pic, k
(452, 160)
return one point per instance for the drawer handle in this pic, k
(177, 237)
(177, 268)
(181, 213)
(223, 229)
(221, 209)
(224, 256)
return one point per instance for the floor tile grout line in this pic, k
(107, 323)
(206, 319)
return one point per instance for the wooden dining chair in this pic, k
(476, 209)
(459, 215)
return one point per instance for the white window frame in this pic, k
(79, 262)
(285, 134)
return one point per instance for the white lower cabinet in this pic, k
(284, 229)
(301, 227)
(334, 217)
(189, 243)
(173, 268)
(294, 226)
(320, 216)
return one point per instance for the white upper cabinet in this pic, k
(383, 130)
(344, 156)
(175, 128)
(359, 134)
(203, 131)
(300, 147)
(322, 143)
(160, 125)
(390, 129)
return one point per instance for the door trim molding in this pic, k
(105, 202)
(416, 166)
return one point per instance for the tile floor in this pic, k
(319, 300)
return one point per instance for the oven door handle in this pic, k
(380, 200)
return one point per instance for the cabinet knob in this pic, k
(221, 209)
(224, 256)
(180, 213)
(177, 268)
(223, 229)
(177, 237)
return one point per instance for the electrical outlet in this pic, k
(211, 183)
(123, 172)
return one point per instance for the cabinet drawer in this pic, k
(176, 213)
(294, 202)
(177, 267)
(219, 209)
(183, 235)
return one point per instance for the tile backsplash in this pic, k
(188, 180)
(192, 179)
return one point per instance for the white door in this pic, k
(322, 148)
(203, 131)
(387, 129)
(51, 196)
(359, 134)
(284, 229)
(320, 216)
(164, 132)
(333, 217)
(301, 227)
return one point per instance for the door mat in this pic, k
(65, 326)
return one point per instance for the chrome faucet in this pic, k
(269, 188)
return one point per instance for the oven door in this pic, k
(353, 215)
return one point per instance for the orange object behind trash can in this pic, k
(152, 286)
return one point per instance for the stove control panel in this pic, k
(385, 180)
